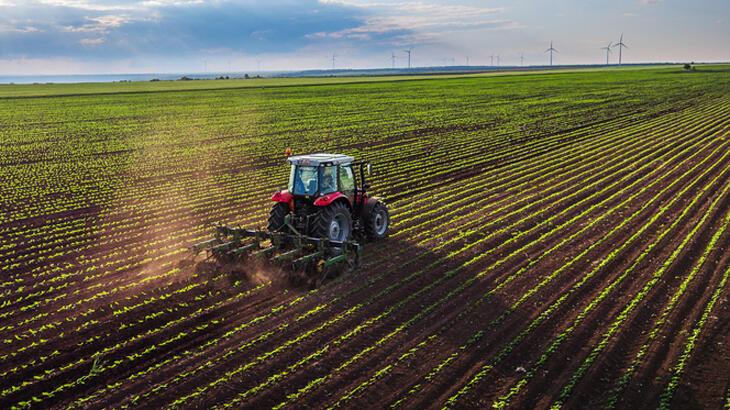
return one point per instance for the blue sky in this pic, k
(138, 36)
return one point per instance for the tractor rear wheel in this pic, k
(276, 217)
(333, 222)
(377, 222)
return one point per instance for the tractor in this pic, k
(315, 225)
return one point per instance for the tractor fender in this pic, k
(369, 205)
(330, 198)
(282, 196)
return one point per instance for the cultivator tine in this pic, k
(264, 252)
(244, 250)
(199, 247)
(287, 255)
(304, 260)
(334, 260)
(224, 247)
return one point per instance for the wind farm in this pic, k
(607, 49)
(551, 50)
(448, 64)
(620, 46)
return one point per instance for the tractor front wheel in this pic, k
(333, 222)
(377, 222)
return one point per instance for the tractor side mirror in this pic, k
(370, 169)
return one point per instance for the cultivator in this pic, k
(309, 260)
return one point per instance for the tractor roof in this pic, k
(320, 159)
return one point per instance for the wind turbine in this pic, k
(608, 51)
(491, 60)
(497, 60)
(522, 59)
(551, 50)
(392, 58)
(334, 56)
(620, 46)
(467, 61)
(409, 56)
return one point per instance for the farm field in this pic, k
(558, 240)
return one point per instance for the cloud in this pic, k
(185, 31)
(101, 24)
(82, 5)
(158, 3)
(7, 28)
(650, 2)
(132, 28)
(414, 22)
(260, 34)
(92, 41)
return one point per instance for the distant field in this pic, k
(26, 90)
(559, 238)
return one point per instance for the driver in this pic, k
(327, 183)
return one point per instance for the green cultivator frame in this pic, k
(311, 260)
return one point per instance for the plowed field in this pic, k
(558, 239)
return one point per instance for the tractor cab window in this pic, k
(303, 180)
(347, 179)
(329, 179)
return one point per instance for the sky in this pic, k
(196, 36)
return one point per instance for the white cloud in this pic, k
(102, 5)
(415, 21)
(260, 34)
(87, 5)
(110, 21)
(92, 41)
(162, 3)
(651, 1)
(6, 28)
(101, 24)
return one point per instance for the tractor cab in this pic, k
(315, 224)
(318, 175)
(325, 198)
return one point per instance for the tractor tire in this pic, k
(377, 222)
(333, 222)
(276, 217)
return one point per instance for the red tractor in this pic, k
(324, 200)
(315, 224)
